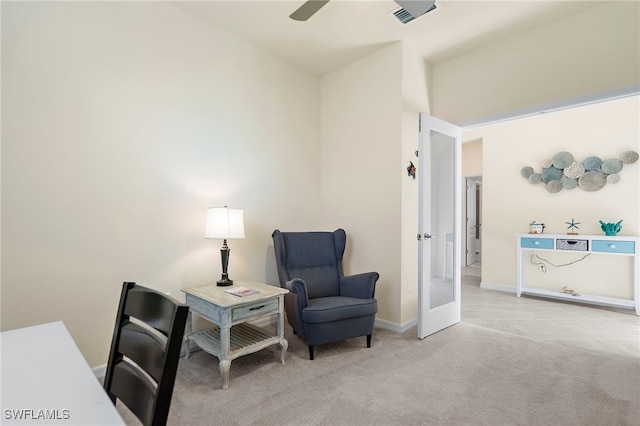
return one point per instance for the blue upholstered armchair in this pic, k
(323, 305)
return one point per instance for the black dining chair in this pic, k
(145, 350)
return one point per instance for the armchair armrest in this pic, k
(299, 289)
(362, 286)
(294, 302)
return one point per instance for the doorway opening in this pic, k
(473, 228)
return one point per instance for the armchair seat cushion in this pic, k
(335, 308)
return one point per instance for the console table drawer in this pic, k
(540, 243)
(254, 309)
(609, 246)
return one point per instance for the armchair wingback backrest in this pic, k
(315, 257)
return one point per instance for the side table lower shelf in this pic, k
(242, 336)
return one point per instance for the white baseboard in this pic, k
(100, 371)
(392, 326)
(497, 287)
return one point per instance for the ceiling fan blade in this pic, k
(307, 9)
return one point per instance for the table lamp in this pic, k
(224, 224)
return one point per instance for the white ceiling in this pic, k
(346, 30)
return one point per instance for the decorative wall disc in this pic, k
(569, 183)
(546, 163)
(611, 166)
(614, 178)
(554, 186)
(535, 178)
(574, 170)
(526, 171)
(562, 159)
(592, 163)
(592, 181)
(629, 157)
(551, 173)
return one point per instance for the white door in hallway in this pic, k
(472, 222)
(439, 225)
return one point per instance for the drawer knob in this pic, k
(612, 246)
(536, 243)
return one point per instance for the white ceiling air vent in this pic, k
(403, 16)
(412, 9)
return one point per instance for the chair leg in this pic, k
(311, 352)
(368, 340)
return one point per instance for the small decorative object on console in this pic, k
(536, 228)
(572, 224)
(611, 229)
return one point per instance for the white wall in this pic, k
(122, 122)
(361, 167)
(510, 202)
(472, 158)
(590, 52)
(370, 112)
(415, 92)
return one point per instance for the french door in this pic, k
(439, 225)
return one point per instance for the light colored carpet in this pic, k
(463, 375)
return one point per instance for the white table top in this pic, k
(47, 381)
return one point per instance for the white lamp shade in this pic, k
(224, 223)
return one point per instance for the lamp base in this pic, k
(224, 282)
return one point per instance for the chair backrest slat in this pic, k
(135, 390)
(151, 307)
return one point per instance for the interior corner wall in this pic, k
(415, 100)
(121, 123)
(510, 202)
(361, 139)
(590, 52)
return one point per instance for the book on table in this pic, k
(241, 291)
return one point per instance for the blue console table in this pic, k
(593, 244)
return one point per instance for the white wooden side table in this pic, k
(233, 335)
